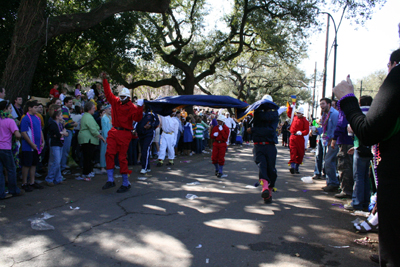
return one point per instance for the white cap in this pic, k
(300, 110)
(221, 118)
(124, 92)
(267, 97)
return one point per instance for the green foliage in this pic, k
(370, 83)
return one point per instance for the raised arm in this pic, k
(111, 98)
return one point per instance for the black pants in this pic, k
(88, 153)
(313, 141)
(145, 147)
(265, 158)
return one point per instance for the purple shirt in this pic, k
(341, 135)
(214, 122)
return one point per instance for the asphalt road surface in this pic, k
(154, 224)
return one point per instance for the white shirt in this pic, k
(230, 123)
(168, 124)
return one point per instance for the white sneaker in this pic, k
(148, 170)
(97, 165)
(96, 171)
(224, 175)
(91, 175)
(143, 171)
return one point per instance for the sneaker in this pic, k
(123, 189)
(170, 164)
(143, 171)
(50, 184)
(343, 195)
(36, 186)
(330, 188)
(268, 200)
(348, 207)
(87, 179)
(148, 170)
(27, 187)
(317, 177)
(91, 175)
(292, 170)
(8, 196)
(21, 193)
(80, 178)
(96, 171)
(108, 185)
(223, 176)
(216, 173)
(66, 172)
(159, 164)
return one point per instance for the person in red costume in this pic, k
(123, 113)
(220, 135)
(298, 129)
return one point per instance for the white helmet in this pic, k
(267, 97)
(124, 92)
(221, 118)
(300, 110)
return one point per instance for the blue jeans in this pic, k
(319, 159)
(330, 166)
(361, 189)
(54, 173)
(199, 145)
(7, 162)
(66, 148)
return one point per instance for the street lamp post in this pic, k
(334, 54)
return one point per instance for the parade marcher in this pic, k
(220, 135)
(285, 131)
(123, 113)
(298, 129)
(231, 124)
(146, 131)
(264, 136)
(168, 139)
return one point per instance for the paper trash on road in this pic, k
(307, 180)
(40, 224)
(142, 178)
(191, 196)
(77, 208)
(199, 246)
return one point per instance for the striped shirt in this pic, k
(199, 131)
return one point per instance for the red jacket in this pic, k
(300, 125)
(222, 135)
(122, 115)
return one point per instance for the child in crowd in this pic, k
(32, 145)
(187, 137)
(63, 94)
(56, 133)
(8, 128)
(220, 133)
(199, 135)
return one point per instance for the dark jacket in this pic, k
(265, 124)
(53, 133)
(341, 134)
(148, 118)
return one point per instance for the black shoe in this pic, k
(108, 185)
(216, 173)
(343, 195)
(219, 175)
(330, 188)
(292, 170)
(317, 177)
(268, 200)
(36, 186)
(159, 164)
(265, 194)
(170, 164)
(297, 172)
(27, 188)
(123, 189)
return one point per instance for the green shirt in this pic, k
(199, 131)
(90, 130)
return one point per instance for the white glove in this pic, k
(220, 128)
(140, 102)
(298, 133)
(216, 134)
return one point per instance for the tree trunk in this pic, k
(30, 35)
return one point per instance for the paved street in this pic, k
(155, 225)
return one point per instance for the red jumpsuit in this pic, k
(118, 140)
(219, 144)
(296, 143)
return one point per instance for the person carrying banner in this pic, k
(123, 113)
(220, 134)
(298, 129)
(266, 119)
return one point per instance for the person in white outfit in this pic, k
(170, 127)
(231, 124)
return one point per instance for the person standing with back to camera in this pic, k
(383, 114)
